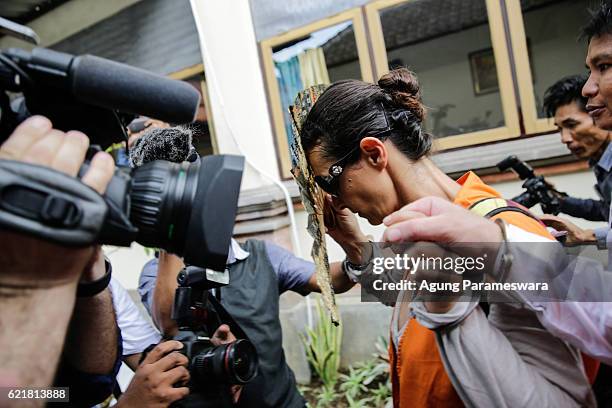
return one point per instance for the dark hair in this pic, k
(350, 110)
(564, 92)
(600, 23)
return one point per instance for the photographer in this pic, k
(259, 273)
(39, 279)
(564, 102)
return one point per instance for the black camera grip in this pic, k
(49, 205)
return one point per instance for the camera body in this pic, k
(213, 369)
(538, 190)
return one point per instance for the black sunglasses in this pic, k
(331, 183)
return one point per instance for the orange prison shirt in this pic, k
(418, 376)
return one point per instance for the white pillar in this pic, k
(235, 85)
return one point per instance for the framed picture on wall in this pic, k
(484, 71)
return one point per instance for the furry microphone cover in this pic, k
(173, 144)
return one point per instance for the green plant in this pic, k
(382, 394)
(358, 403)
(326, 397)
(382, 349)
(322, 345)
(353, 383)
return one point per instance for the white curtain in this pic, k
(313, 69)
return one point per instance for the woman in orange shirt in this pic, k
(369, 151)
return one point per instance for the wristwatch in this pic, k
(91, 289)
(354, 271)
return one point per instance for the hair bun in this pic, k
(403, 88)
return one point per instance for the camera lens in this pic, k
(187, 209)
(233, 363)
(161, 197)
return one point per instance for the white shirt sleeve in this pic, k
(586, 323)
(136, 331)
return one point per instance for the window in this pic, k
(546, 48)
(203, 131)
(323, 52)
(462, 65)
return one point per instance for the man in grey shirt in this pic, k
(260, 272)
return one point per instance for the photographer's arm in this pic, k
(339, 279)
(38, 279)
(588, 209)
(92, 342)
(163, 296)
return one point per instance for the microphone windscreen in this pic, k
(112, 85)
(172, 144)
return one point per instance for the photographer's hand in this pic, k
(38, 279)
(223, 335)
(34, 262)
(159, 380)
(575, 234)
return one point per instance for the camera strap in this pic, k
(226, 318)
(49, 205)
(492, 206)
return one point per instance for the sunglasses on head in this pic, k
(331, 183)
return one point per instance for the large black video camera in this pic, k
(538, 190)
(187, 209)
(198, 313)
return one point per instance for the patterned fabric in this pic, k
(312, 196)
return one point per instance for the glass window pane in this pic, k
(325, 56)
(552, 29)
(447, 43)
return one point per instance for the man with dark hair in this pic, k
(598, 88)
(564, 102)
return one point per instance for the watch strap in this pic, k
(90, 289)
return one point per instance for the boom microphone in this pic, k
(89, 93)
(95, 80)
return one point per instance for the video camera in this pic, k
(538, 189)
(188, 208)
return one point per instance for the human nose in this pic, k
(590, 88)
(566, 136)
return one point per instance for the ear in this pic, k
(375, 152)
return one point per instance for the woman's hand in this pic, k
(343, 227)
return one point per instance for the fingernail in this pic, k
(39, 122)
(104, 157)
(386, 219)
(393, 235)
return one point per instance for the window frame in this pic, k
(188, 73)
(499, 44)
(533, 124)
(273, 92)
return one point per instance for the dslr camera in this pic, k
(198, 313)
(537, 189)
